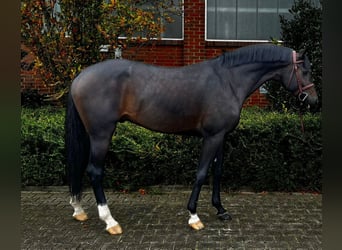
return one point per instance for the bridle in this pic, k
(300, 92)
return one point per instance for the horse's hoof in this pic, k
(225, 216)
(81, 217)
(197, 225)
(115, 230)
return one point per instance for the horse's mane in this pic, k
(255, 54)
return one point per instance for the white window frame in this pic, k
(227, 40)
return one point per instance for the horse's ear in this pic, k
(301, 53)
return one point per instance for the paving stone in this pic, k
(159, 221)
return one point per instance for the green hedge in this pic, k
(266, 152)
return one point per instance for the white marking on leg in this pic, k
(193, 219)
(76, 205)
(105, 215)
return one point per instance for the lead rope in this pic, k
(301, 121)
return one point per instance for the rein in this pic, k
(300, 93)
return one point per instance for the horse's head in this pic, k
(297, 79)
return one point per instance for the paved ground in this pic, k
(158, 220)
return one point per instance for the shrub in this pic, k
(31, 98)
(267, 151)
(42, 147)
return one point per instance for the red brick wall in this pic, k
(165, 53)
(194, 27)
(192, 49)
(30, 79)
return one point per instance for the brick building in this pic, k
(207, 29)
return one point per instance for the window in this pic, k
(241, 20)
(174, 30)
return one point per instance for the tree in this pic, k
(301, 31)
(66, 35)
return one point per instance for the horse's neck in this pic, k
(249, 77)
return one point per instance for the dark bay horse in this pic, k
(204, 99)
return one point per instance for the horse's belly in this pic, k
(162, 113)
(165, 123)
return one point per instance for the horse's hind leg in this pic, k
(99, 143)
(79, 213)
(75, 199)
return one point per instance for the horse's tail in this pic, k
(77, 148)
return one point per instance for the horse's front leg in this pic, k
(209, 149)
(95, 169)
(216, 198)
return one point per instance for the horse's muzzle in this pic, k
(310, 101)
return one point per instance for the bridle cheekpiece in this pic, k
(300, 92)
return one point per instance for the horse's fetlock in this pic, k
(104, 212)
